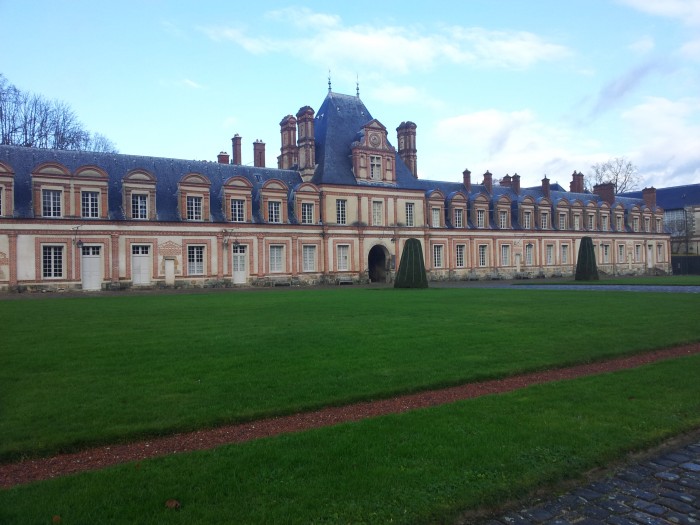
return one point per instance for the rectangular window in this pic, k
(139, 206)
(276, 260)
(503, 219)
(410, 216)
(565, 254)
(550, 254)
(307, 212)
(529, 248)
(375, 167)
(647, 224)
(342, 253)
(308, 253)
(436, 217)
(604, 221)
(658, 226)
(544, 221)
(591, 222)
(562, 221)
(505, 255)
(437, 256)
(459, 218)
(51, 203)
(527, 220)
(90, 204)
(194, 208)
(377, 213)
(237, 210)
(341, 216)
(195, 260)
(459, 255)
(52, 262)
(606, 253)
(483, 259)
(274, 209)
(577, 222)
(480, 218)
(659, 253)
(637, 253)
(618, 223)
(620, 253)
(635, 224)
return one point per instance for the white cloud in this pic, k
(191, 84)
(304, 18)
(691, 50)
(687, 11)
(643, 45)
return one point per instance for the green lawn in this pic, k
(81, 371)
(661, 280)
(425, 466)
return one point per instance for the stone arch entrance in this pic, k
(378, 264)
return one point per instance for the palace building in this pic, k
(338, 208)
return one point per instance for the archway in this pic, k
(377, 264)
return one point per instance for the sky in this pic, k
(534, 87)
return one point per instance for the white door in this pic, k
(170, 271)
(239, 266)
(650, 256)
(91, 268)
(141, 264)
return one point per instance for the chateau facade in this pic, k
(338, 208)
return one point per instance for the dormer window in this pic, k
(194, 208)
(375, 167)
(51, 203)
(139, 206)
(237, 210)
(480, 218)
(274, 211)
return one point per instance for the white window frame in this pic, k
(139, 206)
(618, 223)
(410, 214)
(647, 224)
(375, 167)
(308, 256)
(606, 254)
(637, 253)
(544, 220)
(377, 213)
(51, 203)
(529, 254)
(276, 258)
(237, 210)
(483, 255)
(562, 221)
(503, 219)
(435, 217)
(341, 211)
(659, 253)
(460, 250)
(52, 262)
(620, 253)
(307, 212)
(635, 224)
(591, 222)
(194, 205)
(459, 218)
(90, 204)
(527, 220)
(565, 254)
(659, 226)
(274, 212)
(195, 259)
(577, 222)
(505, 254)
(604, 223)
(549, 254)
(480, 218)
(438, 260)
(342, 253)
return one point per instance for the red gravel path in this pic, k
(96, 458)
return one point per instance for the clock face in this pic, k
(374, 140)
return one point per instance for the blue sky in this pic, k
(536, 87)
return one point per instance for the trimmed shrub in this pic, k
(411, 272)
(586, 268)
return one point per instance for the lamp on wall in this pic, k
(227, 238)
(77, 242)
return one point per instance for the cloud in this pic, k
(691, 50)
(191, 84)
(643, 45)
(687, 11)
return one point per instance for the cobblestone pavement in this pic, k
(661, 490)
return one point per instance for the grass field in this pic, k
(661, 280)
(81, 371)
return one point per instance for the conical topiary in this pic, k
(411, 272)
(586, 268)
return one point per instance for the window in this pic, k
(437, 256)
(237, 210)
(503, 219)
(660, 252)
(343, 257)
(620, 253)
(195, 260)
(618, 223)
(377, 213)
(527, 220)
(658, 226)
(604, 223)
(606, 253)
(341, 211)
(51, 203)
(459, 218)
(480, 218)
(375, 167)
(591, 222)
(140, 249)
(52, 262)
(90, 204)
(562, 221)
(459, 256)
(550, 254)
(308, 255)
(565, 254)
(505, 255)
(483, 255)
(139, 206)
(410, 217)
(544, 222)
(637, 253)
(647, 224)
(194, 208)
(528, 254)
(635, 224)
(274, 211)
(436, 217)
(276, 260)
(577, 222)
(307, 213)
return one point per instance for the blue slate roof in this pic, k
(674, 197)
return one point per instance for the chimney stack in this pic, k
(515, 186)
(506, 181)
(406, 135)
(222, 158)
(605, 191)
(545, 187)
(288, 149)
(467, 180)
(259, 154)
(306, 143)
(236, 143)
(576, 184)
(488, 181)
(649, 196)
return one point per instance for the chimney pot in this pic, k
(223, 158)
(488, 181)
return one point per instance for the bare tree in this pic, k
(32, 121)
(619, 170)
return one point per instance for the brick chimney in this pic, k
(605, 191)
(288, 149)
(515, 186)
(259, 154)
(649, 196)
(236, 143)
(506, 181)
(576, 184)
(545, 187)
(488, 181)
(222, 158)
(306, 143)
(467, 180)
(406, 135)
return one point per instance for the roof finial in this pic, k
(357, 85)
(329, 80)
